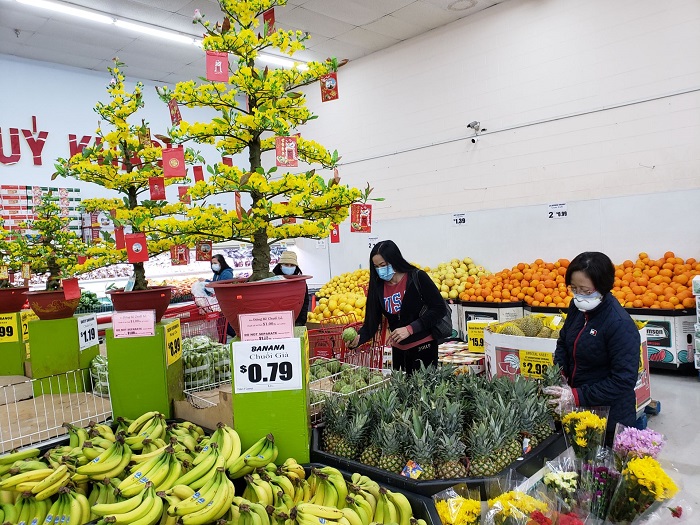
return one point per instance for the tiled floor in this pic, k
(679, 421)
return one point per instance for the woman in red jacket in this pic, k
(411, 303)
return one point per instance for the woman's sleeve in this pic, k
(304, 313)
(436, 306)
(373, 318)
(226, 273)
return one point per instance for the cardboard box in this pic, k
(209, 416)
(475, 334)
(510, 355)
(696, 285)
(670, 335)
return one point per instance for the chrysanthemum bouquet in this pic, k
(631, 443)
(459, 506)
(642, 483)
(585, 430)
(563, 485)
(515, 508)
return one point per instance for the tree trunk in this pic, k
(53, 282)
(261, 249)
(140, 282)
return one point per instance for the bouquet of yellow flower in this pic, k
(585, 430)
(642, 483)
(459, 505)
(514, 508)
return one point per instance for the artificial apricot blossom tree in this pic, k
(255, 106)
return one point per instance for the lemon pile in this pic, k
(349, 282)
(450, 277)
(338, 308)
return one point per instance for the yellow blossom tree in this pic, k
(254, 106)
(123, 160)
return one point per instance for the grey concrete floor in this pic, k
(679, 421)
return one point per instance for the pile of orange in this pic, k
(664, 283)
(661, 284)
(538, 284)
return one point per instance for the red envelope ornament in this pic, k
(335, 234)
(198, 173)
(361, 218)
(71, 290)
(269, 21)
(203, 250)
(286, 153)
(119, 241)
(179, 255)
(136, 247)
(182, 193)
(157, 187)
(175, 116)
(174, 162)
(217, 66)
(329, 87)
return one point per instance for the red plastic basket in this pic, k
(194, 320)
(327, 342)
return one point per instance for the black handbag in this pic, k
(443, 328)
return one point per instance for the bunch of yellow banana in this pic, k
(70, 507)
(261, 453)
(361, 508)
(95, 446)
(187, 434)
(329, 487)
(245, 512)
(160, 468)
(392, 507)
(144, 508)
(312, 514)
(26, 465)
(26, 509)
(6, 460)
(101, 430)
(206, 505)
(77, 435)
(40, 483)
(108, 464)
(202, 467)
(229, 443)
(149, 425)
(102, 492)
(268, 489)
(291, 469)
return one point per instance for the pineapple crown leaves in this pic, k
(423, 446)
(389, 438)
(450, 447)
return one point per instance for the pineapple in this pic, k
(552, 376)
(481, 450)
(450, 454)
(423, 450)
(352, 440)
(390, 446)
(334, 416)
(371, 454)
(528, 420)
(544, 425)
(497, 426)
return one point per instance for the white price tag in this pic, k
(321, 244)
(87, 331)
(265, 366)
(372, 242)
(557, 211)
(459, 219)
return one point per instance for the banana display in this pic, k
(147, 471)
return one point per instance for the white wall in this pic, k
(596, 104)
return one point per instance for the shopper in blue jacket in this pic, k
(598, 347)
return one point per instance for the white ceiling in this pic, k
(341, 28)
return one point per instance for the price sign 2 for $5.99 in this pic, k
(263, 366)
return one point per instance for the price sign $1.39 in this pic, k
(262, 366)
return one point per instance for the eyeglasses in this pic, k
(580, 291)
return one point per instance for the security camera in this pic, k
(475, 140)
(474, 124)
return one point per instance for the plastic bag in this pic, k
(99, 376)
(458, 505)
(598, 482)
(630, 442)
(520, 503)
(584, 429)
(197, 368)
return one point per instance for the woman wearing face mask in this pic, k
(287, 265)
(598, 346)
(222, 272)
(399, 291)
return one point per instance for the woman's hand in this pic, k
(354, 342)
(398, 335)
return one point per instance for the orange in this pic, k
(668, 255)
(688, 303)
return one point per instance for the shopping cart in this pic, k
(327, 342)
(195, 320)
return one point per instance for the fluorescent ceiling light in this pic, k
(68, 10)
(281, 61)
(160, 33)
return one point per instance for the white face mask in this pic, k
(586, 303)
(216, 267)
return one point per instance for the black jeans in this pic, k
(411, 359)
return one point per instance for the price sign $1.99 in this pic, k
(262, 366)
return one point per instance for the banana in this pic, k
(267, 455)
(320, 511)
(105, 462)
(147, 503)
(119, 469)
(53, 511)
(50, 479)
(152, 515)
(148, 471)
(223, 440)
(102, 430)
(18, 467)
(139, 422)
(174, 473)
(261, 512)
(362, 507)
(284, 483)
(319, 493)
(205, 453)
(198, 500)
(200, 470)
(403, 507)
(121, 507)
(141, 458)
(380, 511)
(336, 479)
(27, 453)
(84, 506)
(330, 498)
(390, 512)
(215, 509)
(235, 443)
(53, 488)
(238, 467)
(90, 451)
(182, 491)
(33, 475)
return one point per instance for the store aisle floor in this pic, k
(679, 421)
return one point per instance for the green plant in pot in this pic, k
(12, 297)
(257, 110)
(125, 160)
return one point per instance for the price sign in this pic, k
(4, 272)
(371, 242)
(459, 219)
(534, 364)
(321, 244)
(264, 366)
(134, 323)
(475, 334)
(25, 317)
(173, 341)
(87, 331)
(557, 211)
(266, 326)
(8, 328)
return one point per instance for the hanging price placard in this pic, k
(26, 316)
(557, 211)
(173, 341)
(139, 323)
(459, 219)
(264, 366)
(534, 364)
(87, 331)
(8, 328)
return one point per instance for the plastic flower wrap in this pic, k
(585, 430)
(631, 443)
(517, 508)
(459, 505)
(642, 483)
(598, 480)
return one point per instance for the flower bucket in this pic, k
(12, 299)
(155, 298)
(52, 304)
(260, 296)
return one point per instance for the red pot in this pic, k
(12, 299)
(259, 297)
(155, 298)
(52, 304)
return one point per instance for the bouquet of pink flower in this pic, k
(631, 443)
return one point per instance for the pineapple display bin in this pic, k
(423, 507)
(550, 448)
(475, 311)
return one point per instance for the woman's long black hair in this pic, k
(222, 262)
(375, 290)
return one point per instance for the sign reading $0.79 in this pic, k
(263, 366)
(173, 341)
